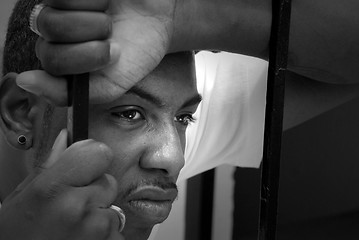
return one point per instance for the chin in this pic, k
(145, 213)
(147, 204)
(142, 216)
(136, 234)
(138, 228)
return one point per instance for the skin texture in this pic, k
(135, 26)
(142, 32)
(133, 161)
(154, 145)
(141, 35)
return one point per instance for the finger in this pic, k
(103, 223)
(42, 84)
(73, 26)
(102, 192)
(64, 59)
(81, 164)
(55, 91)
(121, 216)
(58, 148)
(92, 5)
(106, 86)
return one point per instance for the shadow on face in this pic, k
(145, 128)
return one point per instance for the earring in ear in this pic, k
(21, 139)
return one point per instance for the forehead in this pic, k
(175, 75)
(174, 79)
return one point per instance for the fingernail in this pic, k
(61, 140)
(114, 52)
(25, 81)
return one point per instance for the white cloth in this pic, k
(230, 119)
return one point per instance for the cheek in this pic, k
(46, 129)
(183, 143)
(182, 138)
(59, 122)
(126, 147)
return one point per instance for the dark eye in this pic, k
(129, 115)
(185, 119)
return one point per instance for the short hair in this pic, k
(19, 48)
(20, 56)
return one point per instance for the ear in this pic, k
(17, 109)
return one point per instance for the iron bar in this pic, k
(199, 207)
(77, 119)
(278, 55)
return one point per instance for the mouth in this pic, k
(151, 204)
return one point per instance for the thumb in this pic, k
(42, 84)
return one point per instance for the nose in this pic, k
(164, 152)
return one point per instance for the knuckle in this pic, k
(46, 21)
(55, 29)
(108, 26)
(52, 64)
(49, 57)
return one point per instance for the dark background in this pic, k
(319, 192)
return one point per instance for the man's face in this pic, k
(145, 128)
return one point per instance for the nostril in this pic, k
(163, 151)
(165, 162)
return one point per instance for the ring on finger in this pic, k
(33, 18)
(121, 216)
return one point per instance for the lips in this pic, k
(150, 203)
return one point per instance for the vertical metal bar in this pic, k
(207, 204)
(199, 206)
(77, 116)
(278, 56)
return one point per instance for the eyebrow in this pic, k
(196, 99)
